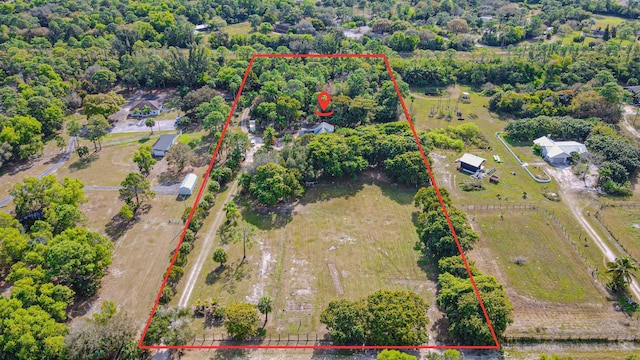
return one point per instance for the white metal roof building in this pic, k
(188, 184)
(558, 152)
(470, 163)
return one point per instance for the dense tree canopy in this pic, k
(383, 318)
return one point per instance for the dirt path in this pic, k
(567, 193)
(206, 249)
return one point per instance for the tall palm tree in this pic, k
(232, 212)
(265, 305)
(621, 272)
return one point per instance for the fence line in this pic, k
(630, 205)
(280, 338)
(571, 339)
(593, 270)
(598, 217)
(524, 206)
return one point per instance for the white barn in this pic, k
(559, 152)
(188, 184)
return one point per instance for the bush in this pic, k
(213, 186)
(167, 295)
(189, 236)
(210, 198)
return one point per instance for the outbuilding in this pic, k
(471, 163)
(163, 145)
(188, 184)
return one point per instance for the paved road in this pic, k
(70, 148)
(162, 189)
(139, 126)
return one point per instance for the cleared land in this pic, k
(140, 256)
(553, 294)
(624, 224)
(342, 240)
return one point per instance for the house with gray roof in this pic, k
(323, 127)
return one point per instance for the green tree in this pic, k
(78, 258)
(170, 326)
(179, 156)
(408, 168)
(135, 190)
(150, 123)
(63, 216)
(241, 320)
(394, 355)
(220, 256)
(232, 212)
(265, 305)
(102, 104)
(97, 130)
(289, 108)
(29, 334)
(621, 272)
(144, 159)
(38, 194)
(109, 335)
(458, 300)
(273, 183)
(382, 318)
(23, 134)
(270, 136)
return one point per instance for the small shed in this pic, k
(188, 184)
(252, 126)
(163, 145)
(471, 163)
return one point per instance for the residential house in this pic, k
(323, 127)
(146, 108)
(559, 152)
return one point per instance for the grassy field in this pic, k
(552, 270)
(107, 167)
(141, 254)
(624, 223)
(511, 187)
(342, 240)
(242, 28)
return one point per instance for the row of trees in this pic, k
(456, 296)
(50, 262)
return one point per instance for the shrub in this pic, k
(213, 186)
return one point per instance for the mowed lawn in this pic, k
(553, 271)
(343, 240)
(624, 223)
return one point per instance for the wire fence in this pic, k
(524, 206)
(611, 233)
(571, 339)
(287, 339)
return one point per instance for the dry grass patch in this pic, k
(343, 240)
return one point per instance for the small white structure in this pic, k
(559, 152)
(252, 126)
(188, 184)
(471, 163)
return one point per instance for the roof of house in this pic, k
(556, 148)
(323, 127)
(118, 115)
(282, 27)
(543, 141)
(633, 89)
(202, 27)
(189, 181)
(154, 105)
(475, 161)
(164, 142)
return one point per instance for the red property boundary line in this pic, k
(496, 346)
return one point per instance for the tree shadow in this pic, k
(117, 226)
(441, 328)
(214, 275)
(169, 178)
(81, 306)
(84, 163)
(229, 354)
(54, 159)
